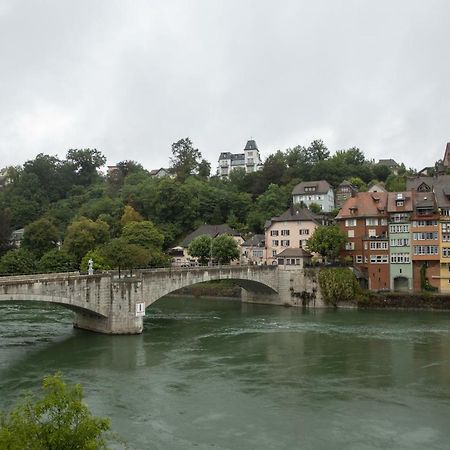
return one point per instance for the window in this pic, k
(303, 243)
(274, 233)
(424, 223)
(372, 232)
(384, 222)
(400, 242)
(258, 253)
(284, 232)
(350, 222)
(399, 229)
(432, 235)
(399, 217)
(445, 252)
(351, 233)
(304, 231)
(382, 245)
(371, 221)
(275, 242)
(425, 250)
(378, 259)
(445, 212)
(274, 253)
(350, 246)
(400, 258)
(359, 259)
(285, 243)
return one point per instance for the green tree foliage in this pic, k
(120, 254)
(84, 234)
(56, 260)
(185, 160)
(201, 248)
(130, 215)
(40, 236)
(5, 230)
(143, 233)
(98, 258)
(396, 183)
(18, 261)
(315, 208)
(85, 163)
(204, 169)
(328, 241)
(224, 249)
(338, 285)
(381, 172)
(57, 419)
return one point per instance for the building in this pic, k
(291, 229)
(400, 209)
(344, 191)
(378, 187)
(446, 158)
(253, 250)
(391, 164)
(294, 258)
(250, 160)
(159, 173)
(318, 192)
(364, 220)
(17, 237)
(180, 253)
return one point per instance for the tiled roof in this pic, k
(256, 240)
(210, 230)
(364, 204)
(388, 162)
(294, 253)
(295, 214)
(393, 198)
(322, 187)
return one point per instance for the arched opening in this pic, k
(401, 284)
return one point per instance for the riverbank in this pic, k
(398, 300)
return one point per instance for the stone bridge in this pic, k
(106, 303)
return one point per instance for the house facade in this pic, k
(253, 250)
(292, 229)
(364, 220)
(249, 160)
(344, 191)
(318, 192)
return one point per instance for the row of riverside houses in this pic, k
(401, 240)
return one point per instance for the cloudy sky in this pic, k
(131, 77)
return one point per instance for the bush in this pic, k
(338, 285)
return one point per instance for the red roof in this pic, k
(364, 204)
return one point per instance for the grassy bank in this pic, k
(222, 288)
(404, 300)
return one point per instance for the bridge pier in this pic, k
(122, 317)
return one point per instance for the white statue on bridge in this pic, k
(90, 267)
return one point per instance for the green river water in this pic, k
(217, 374)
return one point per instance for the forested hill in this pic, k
(58, 194)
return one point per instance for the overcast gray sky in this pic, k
(131, 77)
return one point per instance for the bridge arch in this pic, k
(18, 298)
(255, 279)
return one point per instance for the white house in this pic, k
(319, 192)
(250, 160)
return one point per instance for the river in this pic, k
(218, 374)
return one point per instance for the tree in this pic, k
(57, 419)
(396, 183)
(120, 254)
(56, 260)
(185, 160)
(18, 261)
(204, 169)
(315, 208)
(40, 236)
(200, 248)
(328, 241)
(338, 285)
(84, 163)
(5, 230)
(143, 233)
(98, 259)
(224, 249)
(83, 235)
(130, 215)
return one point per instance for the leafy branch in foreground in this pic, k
(56, 420)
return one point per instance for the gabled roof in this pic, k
(388, 163)
(294, 253)
(424, 200)
(210, 230)
(256, 240)
(394, 199)
(295, 214)
(364, 204)
(156, 171)
(322, 187)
